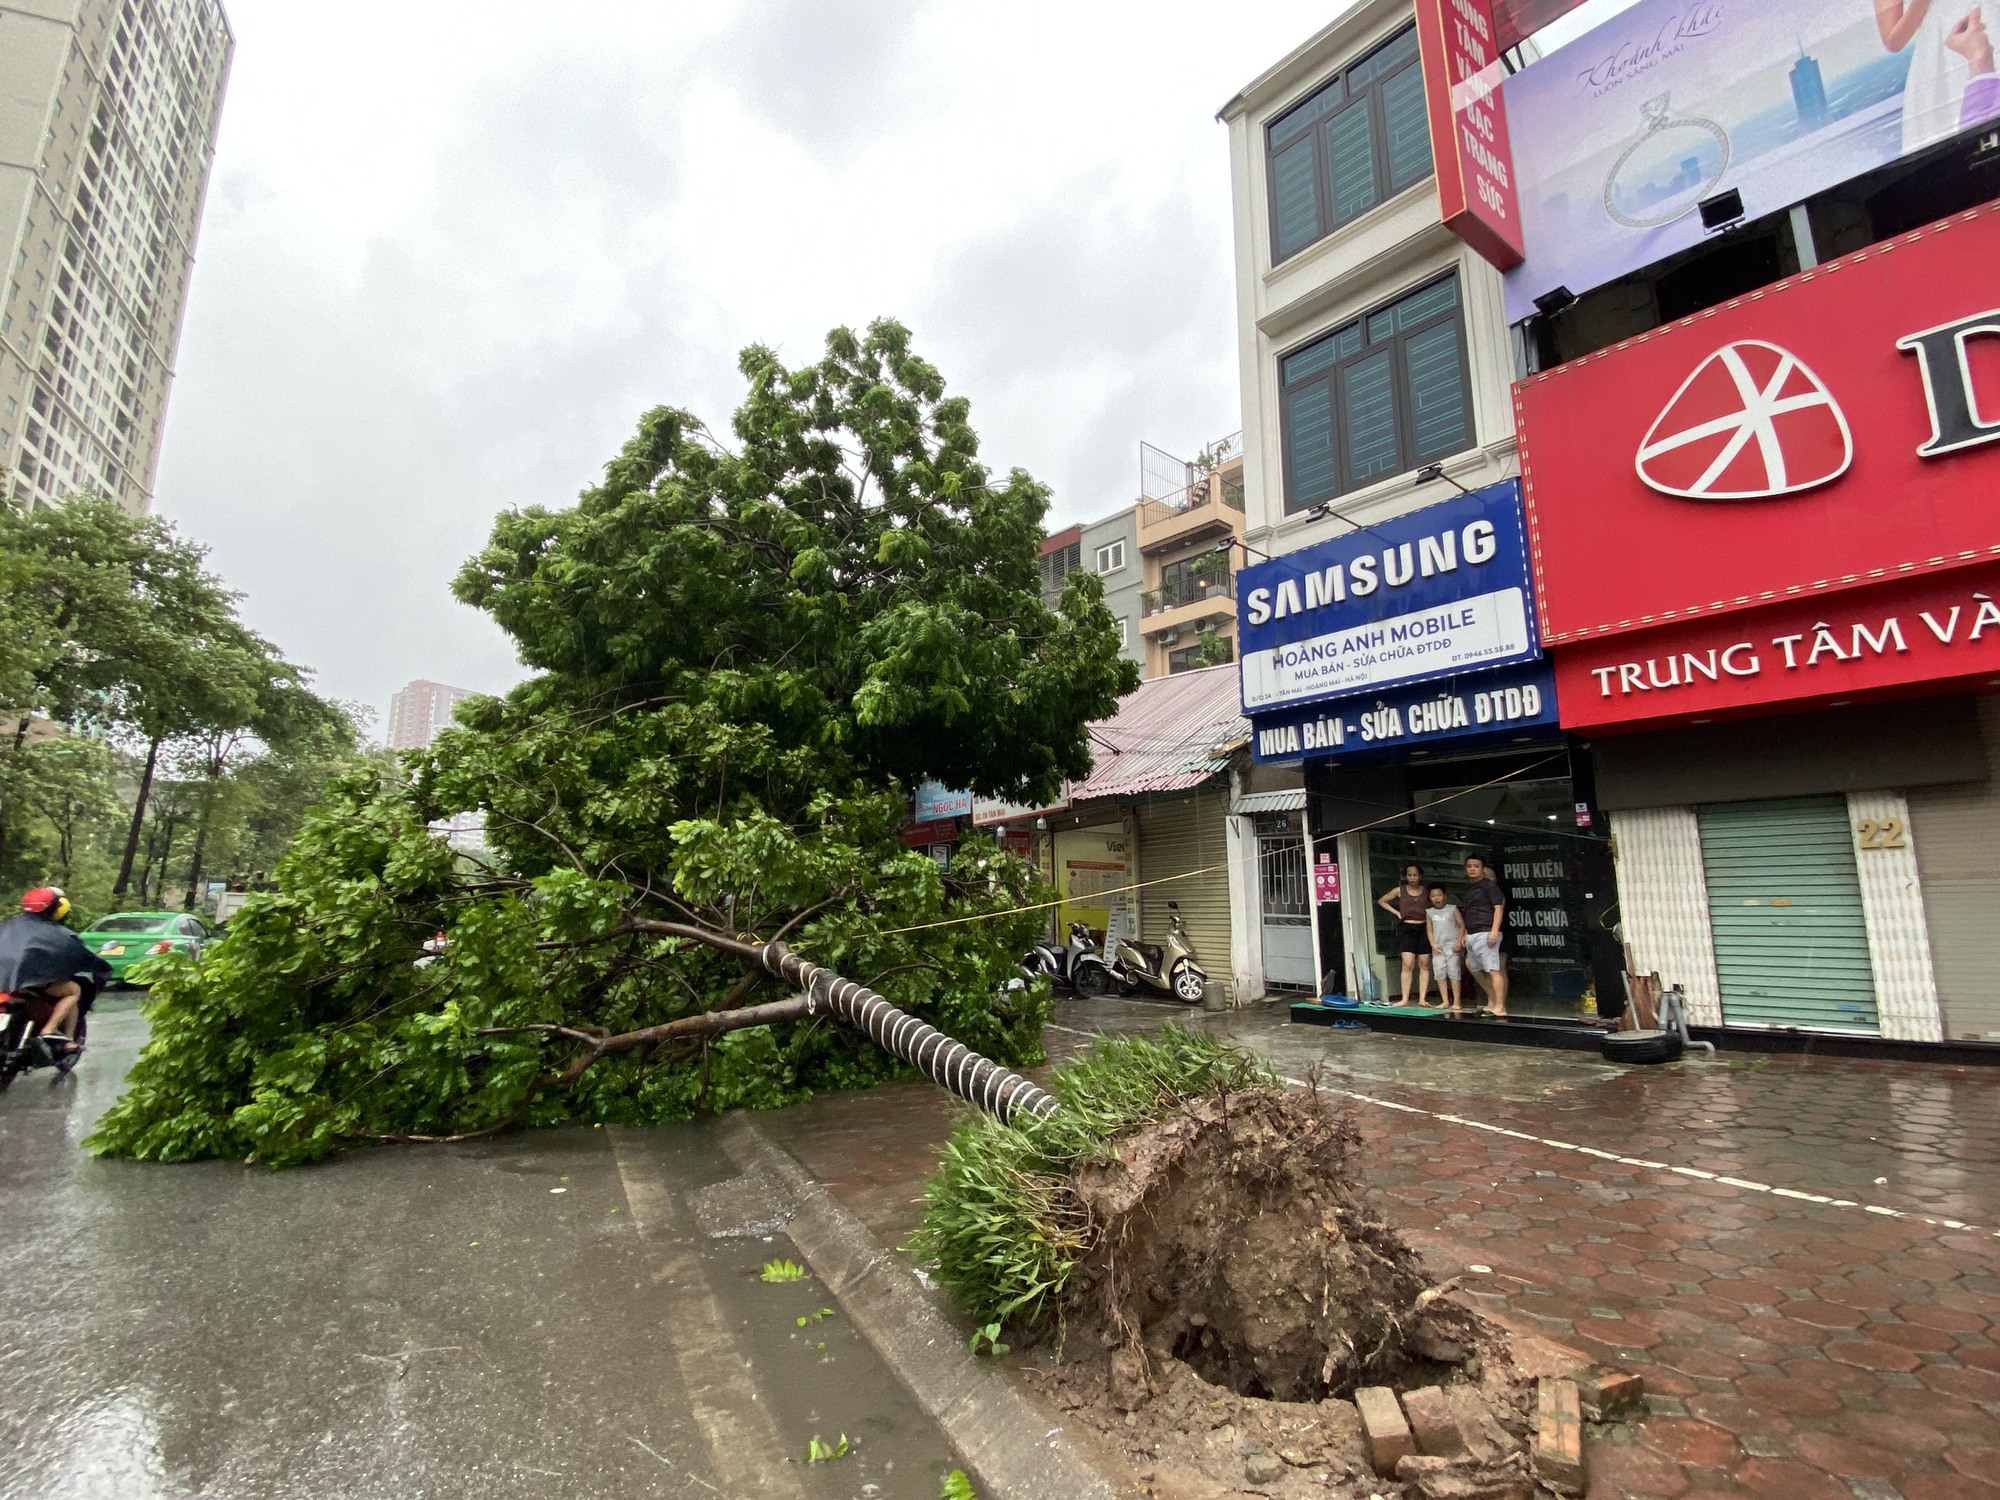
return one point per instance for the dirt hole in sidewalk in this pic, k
(1231, 1237)
(1239, 1288)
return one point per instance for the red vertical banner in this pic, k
(1468, 117)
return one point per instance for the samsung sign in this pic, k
(1511, 702)
(1432, 594)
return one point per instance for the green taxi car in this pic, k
(131, 937)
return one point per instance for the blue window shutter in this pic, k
(1350, 164)
(1295, 200)
(1368, 415)
(1309, 451)
(1439, 419)
(1408, 125)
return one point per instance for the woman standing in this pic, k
(1409, 903)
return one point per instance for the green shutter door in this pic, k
(1791, 941)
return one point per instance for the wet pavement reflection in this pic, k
(491, 1319)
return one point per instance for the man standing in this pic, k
(1484, 906)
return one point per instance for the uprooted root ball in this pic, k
(1229, 1235)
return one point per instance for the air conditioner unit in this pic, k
(1169, 637)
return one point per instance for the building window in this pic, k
(1361, 139)
(1057, 564)
(1124, 633)
(1111, 556)
(1209, 651)
(1381, 395)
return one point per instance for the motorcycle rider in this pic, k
(40, 959)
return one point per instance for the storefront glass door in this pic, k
(1556, 877)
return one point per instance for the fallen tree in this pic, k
(745, 654)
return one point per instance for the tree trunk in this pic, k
(166, 849)
(138, 818)
(6, 807)
(201, 831)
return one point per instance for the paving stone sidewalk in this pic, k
(1794, 1349)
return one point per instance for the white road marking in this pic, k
(744, 1449)
(1626, 1161)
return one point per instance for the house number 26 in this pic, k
(1882, 833)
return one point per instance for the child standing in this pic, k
(1447, 942)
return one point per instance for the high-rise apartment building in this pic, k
(419, 711)
(108, 112)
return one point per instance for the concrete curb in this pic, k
(1005, 1440)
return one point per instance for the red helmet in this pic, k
(46, 901)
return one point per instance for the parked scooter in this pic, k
(1168, 967)
(1078, 967)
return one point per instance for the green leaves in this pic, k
(1002, 1223)
(749, 647)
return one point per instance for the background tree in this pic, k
(745, 654)
(113, 633)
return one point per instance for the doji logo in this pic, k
(1751, 423)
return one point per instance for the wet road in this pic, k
(537, 1316)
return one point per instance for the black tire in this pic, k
(1642, 1047)
(1092, 980)
(1190, 986)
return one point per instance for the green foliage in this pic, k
(112, 628)
(778, 1272)
(957, 1487)
(818, 1452)
(745, 660)
(1002, 1224)
(989, 1337)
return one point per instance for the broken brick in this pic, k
(1432, 1423)
(1383, 1429)
(1608, 1392)
(1558, 1452)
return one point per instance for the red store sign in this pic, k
(1940, 630)
(1829, 435)
(1460, 44)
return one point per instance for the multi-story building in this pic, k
(1167, 560)
(108, 114)
(419, 711)
(1678, 528)
(1376, 367)
(1189, 522)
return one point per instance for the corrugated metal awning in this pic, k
(1172, 734)
(1291, 800)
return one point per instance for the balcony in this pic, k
(1208, 510)
(1187, 603)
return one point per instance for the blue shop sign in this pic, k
(1509, 703)
(933, 801)
(1435, 593)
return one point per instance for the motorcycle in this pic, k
(1079, 967)
(23, 1045)
(1168, 967)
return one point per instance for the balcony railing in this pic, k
(1175, 592)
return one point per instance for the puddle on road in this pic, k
(823, 1380)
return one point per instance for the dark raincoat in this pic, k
(35, 951)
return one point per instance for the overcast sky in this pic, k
(452, 250)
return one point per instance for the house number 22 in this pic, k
(1881, 833)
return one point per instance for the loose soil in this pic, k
(1240, 1289)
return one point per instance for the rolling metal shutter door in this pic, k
(1178, 834)
(1784, 902)
(1956, 833)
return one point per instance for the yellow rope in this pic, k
(1015, 911)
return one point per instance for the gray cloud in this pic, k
(427, 296)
